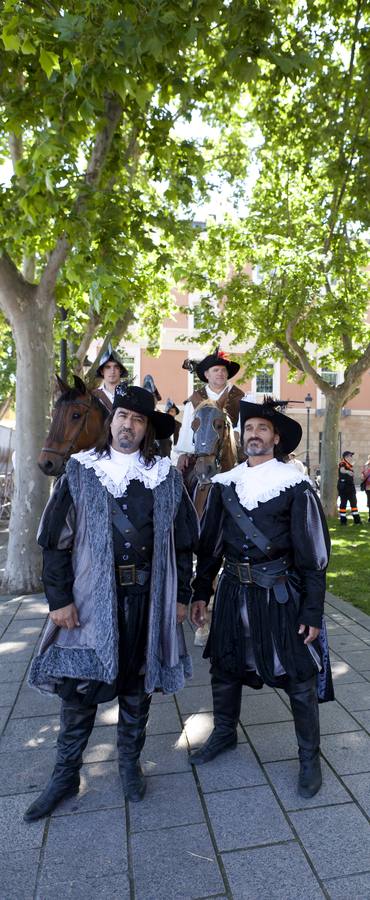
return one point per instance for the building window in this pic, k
(265, 381)
(330, 377)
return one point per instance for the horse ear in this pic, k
(79, 384)
(63, 387)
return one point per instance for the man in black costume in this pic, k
(264, 520)
(117, 537)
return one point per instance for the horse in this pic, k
(77, 423)
(215, 451)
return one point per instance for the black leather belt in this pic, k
(265, 574)
(129, 575)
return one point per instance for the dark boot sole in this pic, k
(34, 816)
(308, 792)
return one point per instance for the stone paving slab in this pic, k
(18, 874)
(82, 845)
(246, 817)
(25, 770)
(197, 729)
(29, 734)
(336, 838)
(356, 887)
(108, 887)
(176, 863)
(15, 834)
(334, 719)
(234, 769)
(271, 873)
(359, 785)
(272, 742)
(348, 753)
(170, 800)
(359, 659)
(353, 696)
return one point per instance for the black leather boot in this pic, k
(227, 695)
(76, 724)
(305, 709)
(132, 721)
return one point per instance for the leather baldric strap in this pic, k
(128, 531)
(245, 524)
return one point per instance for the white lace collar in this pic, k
(258, 484)
(116, 472)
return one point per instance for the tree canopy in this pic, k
(305, 228)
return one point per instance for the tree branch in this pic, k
(14, 289)
(305, 364)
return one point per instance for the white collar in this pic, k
(116, 472)
(258, 484)
(110, 394)
(213, 395)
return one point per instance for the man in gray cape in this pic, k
(117, 537)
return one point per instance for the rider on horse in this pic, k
(111, 370)
(215, 370)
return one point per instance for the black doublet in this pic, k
(295, 525)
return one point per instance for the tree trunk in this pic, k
(329, 454)
(33, 334)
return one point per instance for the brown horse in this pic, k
(214, 451)
(77, 423)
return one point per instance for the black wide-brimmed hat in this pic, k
(218, 358)
(289, 430)
(141, 401)
(110, 355)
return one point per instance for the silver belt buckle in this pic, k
(244, 569)
(127, 575)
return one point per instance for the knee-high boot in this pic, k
(76, 724)
(227, 695)
(305, 709)
(132, 721)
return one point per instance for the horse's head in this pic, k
(77, 423)
(211, 427)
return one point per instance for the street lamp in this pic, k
(308, 404)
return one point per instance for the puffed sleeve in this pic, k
(210, 546)
(56, 536)
(311, 544)
(186, 543)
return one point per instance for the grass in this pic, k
(348, 572)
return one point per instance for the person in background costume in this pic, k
(111, 370)
(215, 370)
(265, 523)
(346, 489)
(118, 536)
(365, 485)
(166, 445)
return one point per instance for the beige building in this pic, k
(175, 382)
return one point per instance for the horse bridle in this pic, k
(71, 446)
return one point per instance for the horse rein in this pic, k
(71, 446)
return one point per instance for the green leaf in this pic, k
(27, 46)
(10, 40)
(48, 61)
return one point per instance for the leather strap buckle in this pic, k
(244, 573)
(127, 575)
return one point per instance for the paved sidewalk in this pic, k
(234, 829)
